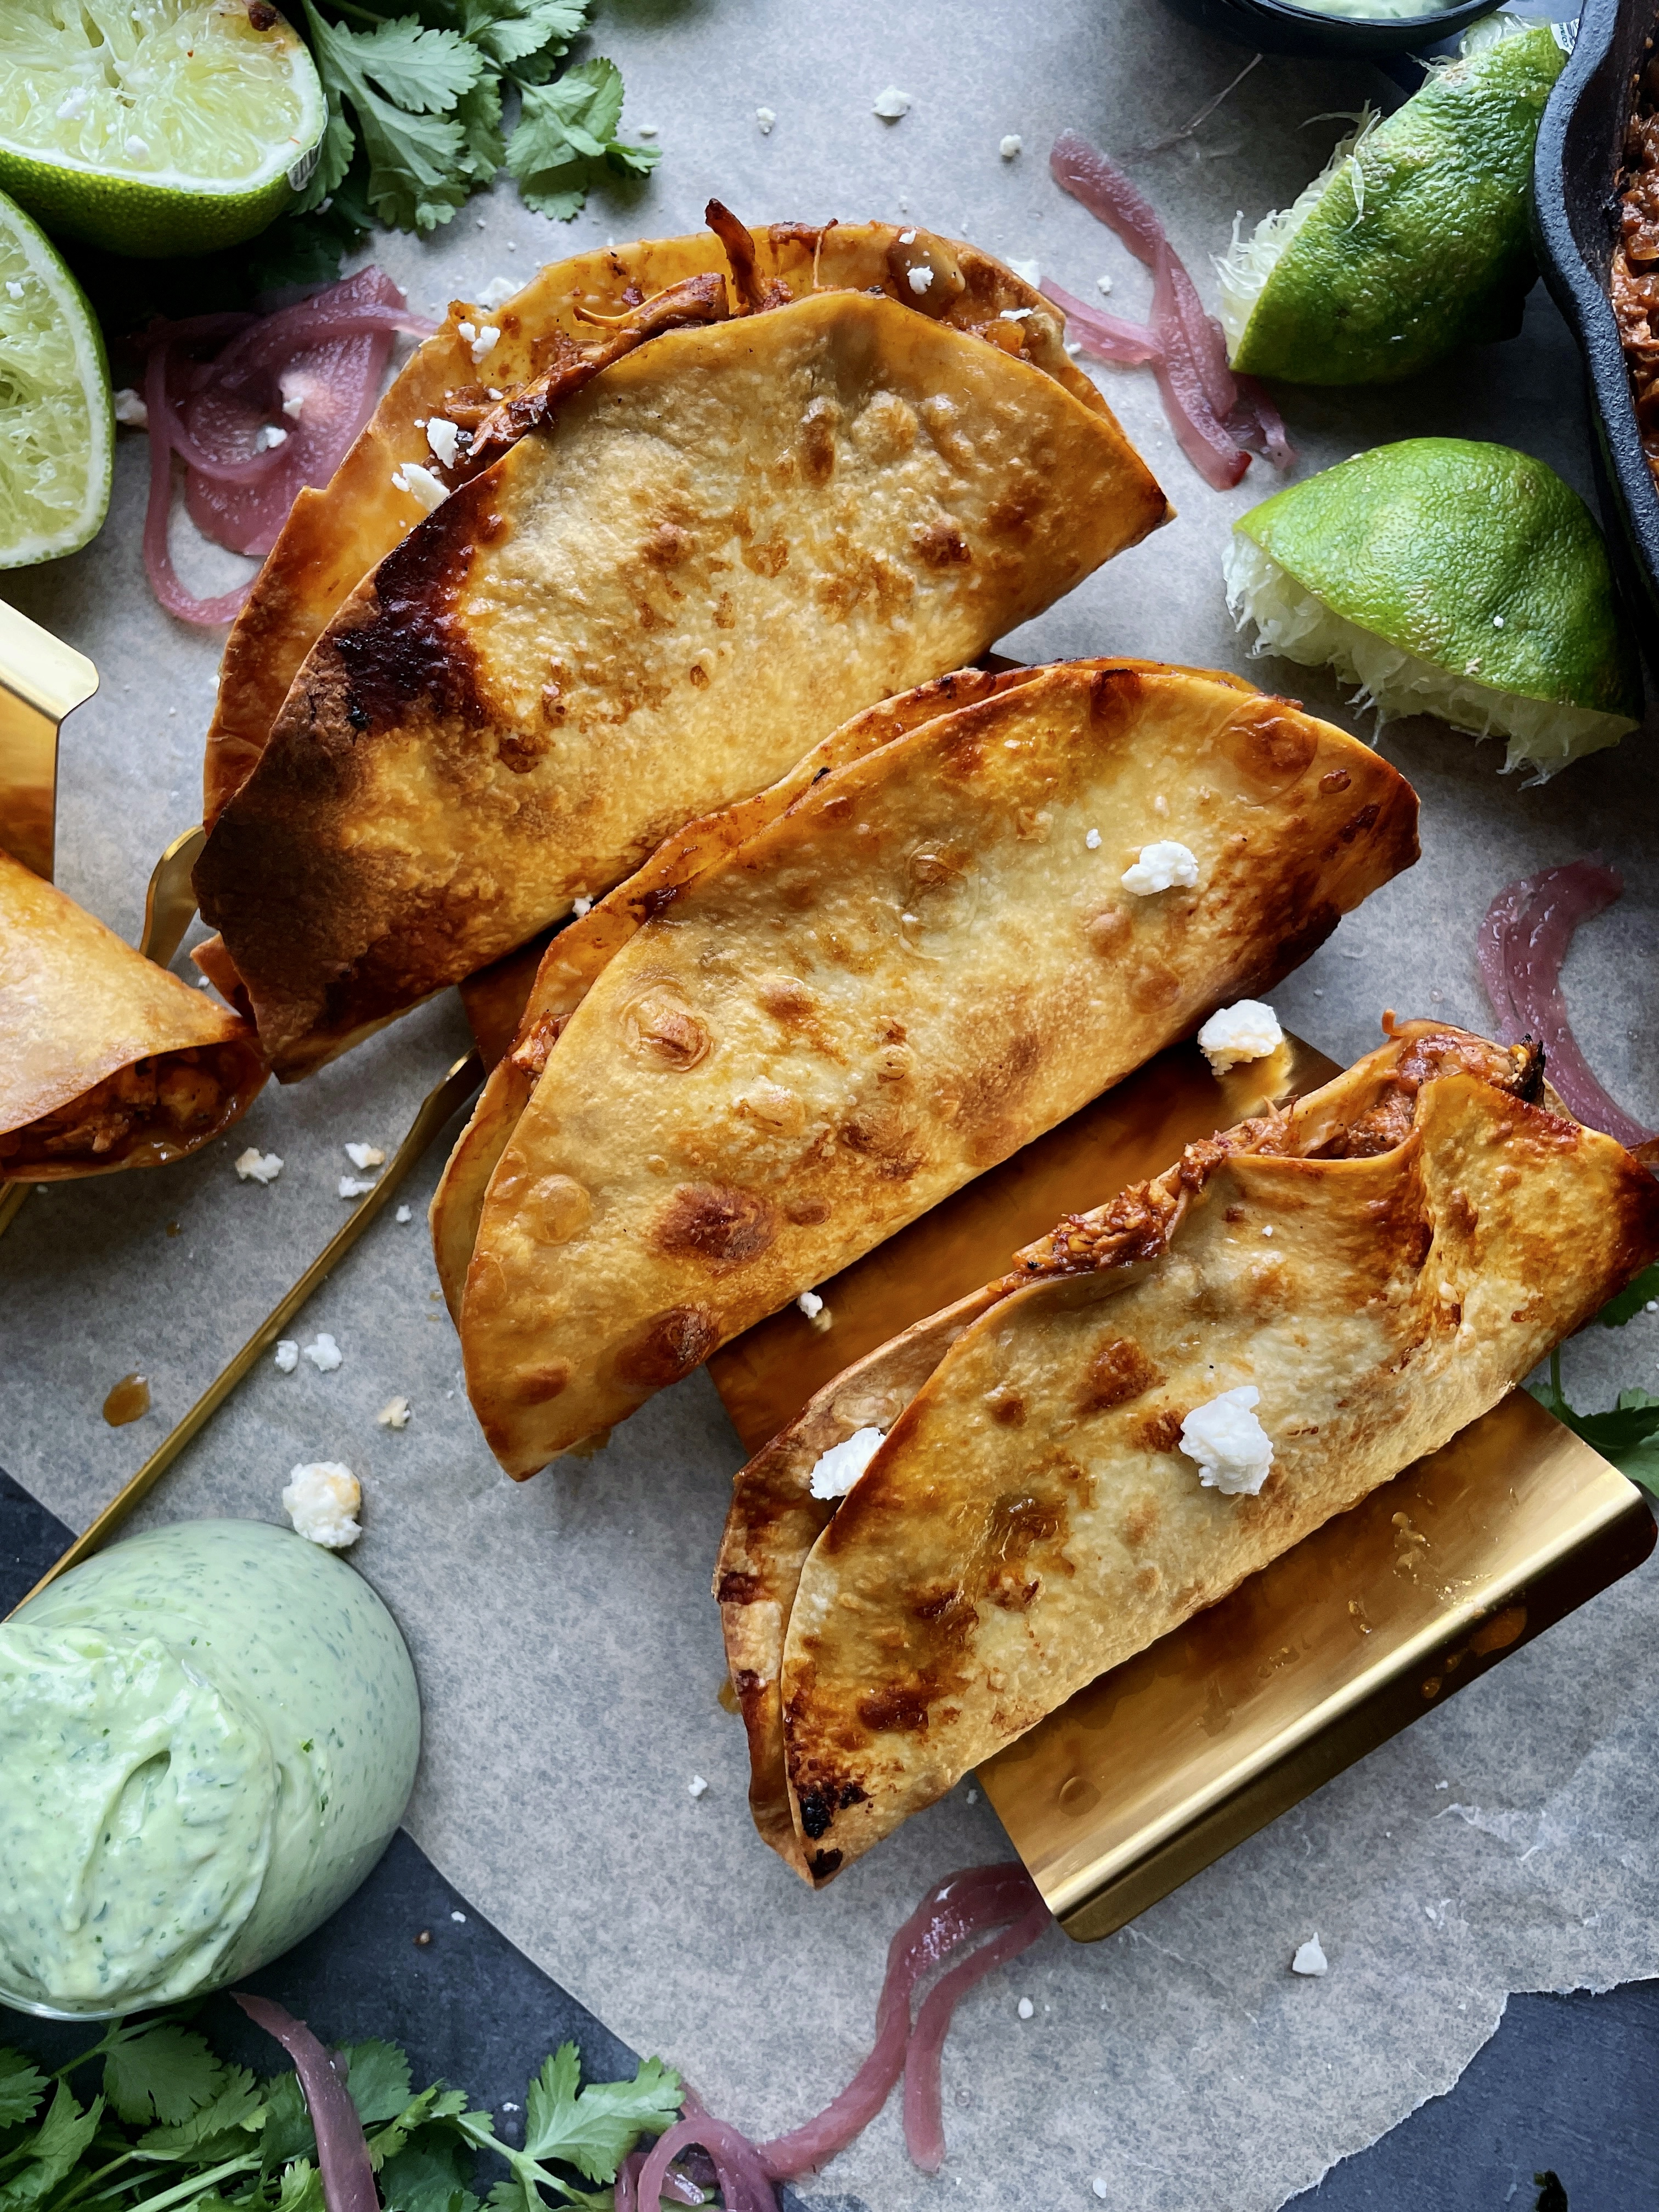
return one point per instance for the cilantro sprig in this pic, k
(1628, 1433)
(417, 101)
(174, 2127)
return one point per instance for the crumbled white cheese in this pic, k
(1104, 283)
(696, 1785)
(579, 907)
(287, 1356)
(1310, 1958)
(365, 1156)
(1025, 2009)
(1010, 146)
(484, 344)
(1093, 841)
(73, 104)
(322, 1500)
(906, 238)
(1231, 1447)
(1072, 347)
(839, 1467)
(129, 405)
(356, 1187)
(1497, 622)
(496, 291)
(649, 130)
(324, 1354)
(891, 104)
(766, 116)
(416, 478)
(136, 149)
(1162, 866)
(394, 1414)
(255, 1166)
(921, 278)
(811, 1304)
(1249, 1030)
(1030, 272)
(403, 1215)
(443, 435)
(1100, 2186)
(294, 405)
(270, 433)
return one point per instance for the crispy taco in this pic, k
(819, 1017)
(105, 1060)
(1159, 1398)
(664, 570)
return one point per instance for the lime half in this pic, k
(56, 427)
(1413, 240)
(155, 127)
(1447, 578)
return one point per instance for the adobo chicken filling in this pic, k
(1633, 279)
(170, 1101)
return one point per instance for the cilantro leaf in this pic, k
(1631, 1301)
(377, 2080)
(302, 2188)
(403, 80)
(429, 2177)
(436, 2103)
(22, 2086)
(208, 2134)
(164, 2074)
(1627, 1434)
(62, 2136)
(566, 129)
(595, 2130)
(510, 30)
(286, 2133)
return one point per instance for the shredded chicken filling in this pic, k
(179, 1096)
(1633, 277)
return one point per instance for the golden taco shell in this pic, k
(334, 535)
(1380, 1263)
(925, 960)
(105, 1060)
(729, 542)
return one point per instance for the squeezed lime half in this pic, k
(56, 425)
(155, 126)
(1447, 577)
(1413, 239)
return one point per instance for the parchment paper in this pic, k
(568, 1652)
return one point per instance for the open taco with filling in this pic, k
(1159, 1398)
(812, 1017)
(105, 1060)
(691, 544)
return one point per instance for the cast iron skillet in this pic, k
(1574, 215)
(1278, 26)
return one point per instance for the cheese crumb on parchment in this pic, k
(130, 407)
(394, 1414)
(811, 1304)
(1162, 866)
(1310, 1958)
(1249, 1030)
(255, 1166)
(324, 1353)
(766, 116)
(365, 1156)
(1231, 1447)
(287, 1355)
(839, 1467)
(405, 1213)
(696, 1786)
(1025, 2009)
(1010, 146)
(322, 1500)
(355, 1187)
(891, 104)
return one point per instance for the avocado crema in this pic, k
(207, 1737)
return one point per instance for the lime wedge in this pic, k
(155, 127)
(1447, 578)
(1413, 240)
(56, 427)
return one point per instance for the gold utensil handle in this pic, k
(436, 1108)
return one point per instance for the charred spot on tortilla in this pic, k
(539, 1386)
(717, 1224)
(668, 1347)
(1272, 746)
(407, 649)
(1120, 1370)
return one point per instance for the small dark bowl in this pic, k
(1575, 214)
(1277, 27)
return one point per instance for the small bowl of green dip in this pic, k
(207, 1734)
(1373, 27)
